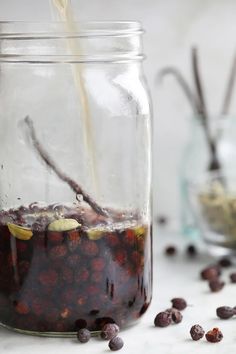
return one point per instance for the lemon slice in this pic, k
(20, 232)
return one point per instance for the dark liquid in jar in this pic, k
(85, 277)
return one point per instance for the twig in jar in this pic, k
(229, 88)
(214, 161)
(50, 163)
(183, 84)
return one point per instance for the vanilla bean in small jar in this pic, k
(75, 161)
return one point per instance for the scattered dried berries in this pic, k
(210, 272)
(216, 285)
(225, 262)
(163, 319)
(176, 316)
(162, 220)
(109, 331)
(233, 277)
(197, 332)
(116, 343)
(83, 335)
(179, 303)
(225, 312)
(191, 250)
(170, 250)
(214, 335)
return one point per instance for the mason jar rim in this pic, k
(55, 29)
(101, 41)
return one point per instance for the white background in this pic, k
(172, 27)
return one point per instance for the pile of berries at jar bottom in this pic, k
(63, 266)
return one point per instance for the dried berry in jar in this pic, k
(116, 343)
(48, 278)
(98, 264)
(90, 248)
(129, 237)
(214, 335)
(179, 303)
(58, 252)
(197, 332)
(163, 319)
(80, 323)
(22, 308)
(225, 312)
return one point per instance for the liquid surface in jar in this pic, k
(56, 281)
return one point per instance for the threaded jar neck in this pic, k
(83, 42)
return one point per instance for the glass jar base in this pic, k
(58, 334)
(42, 334)
(46, 334)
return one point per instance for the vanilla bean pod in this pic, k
(50, 163)
(183, 84)
(214, 161)
(229, 88)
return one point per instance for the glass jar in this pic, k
(213, 201)
(75, 216)
(195, 162)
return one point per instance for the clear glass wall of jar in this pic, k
(74, 113)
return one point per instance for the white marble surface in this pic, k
(177, 276)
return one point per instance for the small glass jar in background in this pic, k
(73, 256)
(213, 202)
(195, 163)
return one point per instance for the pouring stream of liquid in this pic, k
(64, 9)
